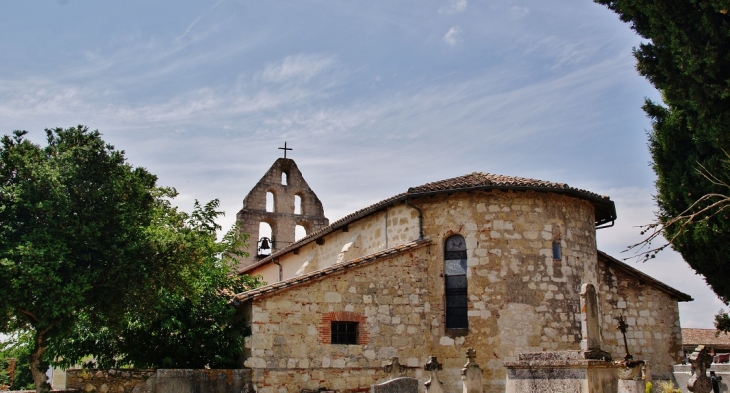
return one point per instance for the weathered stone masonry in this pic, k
(530, 246)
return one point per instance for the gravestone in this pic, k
(701, 360)
(471, 374)
(433, 385)
(398, 385)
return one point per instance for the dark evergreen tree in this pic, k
(686, 56)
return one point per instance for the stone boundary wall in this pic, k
(682, 372)
(159, 381)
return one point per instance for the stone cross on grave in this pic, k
(433, 385)
(471, 374)
(285, 149)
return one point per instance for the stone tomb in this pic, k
(560, 371)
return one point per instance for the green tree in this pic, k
(18, 347)
(192, 326)
(84, 238)
(687, 58)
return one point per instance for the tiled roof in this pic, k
(694, 337)
(681, 296)
(332, 269)
(479, 179)
(605, 209)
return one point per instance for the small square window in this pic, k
(344, 332)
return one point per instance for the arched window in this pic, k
(270, 202)
(284, 179)
(455, 283)
(265, 242)
(297, 204)
(299, 232)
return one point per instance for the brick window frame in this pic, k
(325, 326)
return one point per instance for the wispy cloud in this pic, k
(520, 11)
(191, 25)
(453, 36)
(297, 68)
(454, 7)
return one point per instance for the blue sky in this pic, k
(374, 97)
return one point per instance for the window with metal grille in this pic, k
(455, 283)
(344, 332)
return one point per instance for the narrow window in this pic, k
(344, 332)
(299, 232)
(297, 204)
(270, 202)
(284, 178)
(557, 251)
(455, 283)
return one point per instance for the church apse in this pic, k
(291, 203)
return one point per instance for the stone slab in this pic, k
(398, 385)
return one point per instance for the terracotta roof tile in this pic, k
(479, 180)
(693, 337)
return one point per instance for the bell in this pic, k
(265, 244)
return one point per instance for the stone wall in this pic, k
(682, 373)
(107, 380)
(520, 299)
(654, 333)
(289, 352)
(392, 227)
(159, 381)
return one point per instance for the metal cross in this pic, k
(285, 149)
(622, 328)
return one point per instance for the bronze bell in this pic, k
(265, 244)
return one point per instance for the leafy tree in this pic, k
(87, 240)
(18, 347)
(193, 326)
(687, 58)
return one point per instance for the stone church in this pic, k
(483, 261)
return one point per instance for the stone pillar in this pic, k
(471, 374)
(630, 378)
(433, 385)
(590, 343)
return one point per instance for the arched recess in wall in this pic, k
(455, 284)
(298, 204)
(265, 232)
(270, 202)
(284, 179)
(299, 232)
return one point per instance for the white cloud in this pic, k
(453, 36)
(300, 68)
(454, 7)
(520, 11)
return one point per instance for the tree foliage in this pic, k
(192, 326)
(687, 58)
(87, 240)
(18, 347)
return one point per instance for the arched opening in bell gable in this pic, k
(297, 204)
(265, 242)
(270, 202)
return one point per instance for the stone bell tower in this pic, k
(294, 203)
